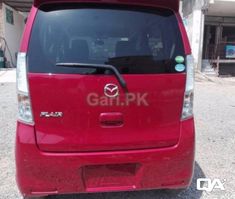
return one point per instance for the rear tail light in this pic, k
(24, 105)
(189, 90)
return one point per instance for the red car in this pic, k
(105, 98)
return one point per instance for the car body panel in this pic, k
(42, 173)
(43, 169)
(152, 123)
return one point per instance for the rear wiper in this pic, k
(102, 66)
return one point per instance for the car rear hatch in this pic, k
(79, 103)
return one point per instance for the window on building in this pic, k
(9, 16)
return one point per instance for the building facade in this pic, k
(211, 29)
(11, 28)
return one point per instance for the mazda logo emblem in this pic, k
(111, 90)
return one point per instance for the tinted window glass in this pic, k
(134, 40)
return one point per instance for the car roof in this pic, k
(170, 4)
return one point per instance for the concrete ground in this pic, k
(7, 76)
(215, 127)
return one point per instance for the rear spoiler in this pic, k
(171, 4)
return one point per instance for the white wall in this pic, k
(1, 22)
(12, 33)
(221, 8)
(194, 23)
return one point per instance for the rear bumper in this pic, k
(40, 173)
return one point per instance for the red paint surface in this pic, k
(78, 153)
(152, 126)
(184, 35)
(27, 30)
(41, 173)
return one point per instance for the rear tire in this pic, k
(26, 197)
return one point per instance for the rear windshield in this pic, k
(134, 40)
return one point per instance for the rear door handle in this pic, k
(111, 119)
